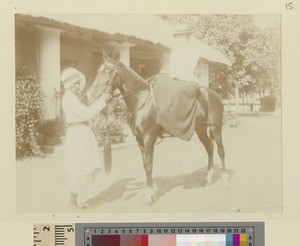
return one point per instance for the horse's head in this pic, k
(109, 71)
(106, 78)
(115, 75)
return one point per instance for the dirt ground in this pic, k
(253, 160)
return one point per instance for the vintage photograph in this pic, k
(148, 113)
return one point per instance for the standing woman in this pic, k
(82, 156)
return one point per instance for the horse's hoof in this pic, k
(149, 197)
(209, 177)
(148, 200)
(209, 181)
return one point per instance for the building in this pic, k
(47, 44)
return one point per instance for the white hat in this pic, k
(70, 75)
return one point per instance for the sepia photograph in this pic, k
(135, 113)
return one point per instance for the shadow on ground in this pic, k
(127, 189)
(192, 180)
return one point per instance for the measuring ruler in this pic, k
(150, 234)
(54, 234)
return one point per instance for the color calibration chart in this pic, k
(151, 234)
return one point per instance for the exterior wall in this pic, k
(70, 49)
(147, 62)
(26, 43)
(85, 55)
(164, 62)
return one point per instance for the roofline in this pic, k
(119, 37)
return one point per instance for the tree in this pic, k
(253, 50)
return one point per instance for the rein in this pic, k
(140, 107)
(144, 85)
(130, 93)
(134, 91)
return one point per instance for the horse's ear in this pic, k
(105, 56)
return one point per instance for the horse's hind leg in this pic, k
(216, 131)
(208, 143)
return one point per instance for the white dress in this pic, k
(82, 155)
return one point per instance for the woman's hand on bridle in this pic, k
(106, 96)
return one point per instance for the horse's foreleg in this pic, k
(146, 144)
(148, 166)
(148, 162)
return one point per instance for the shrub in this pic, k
(28, 113)
(52, 130)
(116, 120)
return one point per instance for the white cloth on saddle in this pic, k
(177, 105)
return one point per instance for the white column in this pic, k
(124, 49)
(49, 68)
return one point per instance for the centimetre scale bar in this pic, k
(150, 234)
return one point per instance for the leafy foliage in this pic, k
(52, 129)
(116, 113)
(254, 51)
(28, 113)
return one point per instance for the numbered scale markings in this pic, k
(150, 234)
(54, 235)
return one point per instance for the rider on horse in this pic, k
(184, 56)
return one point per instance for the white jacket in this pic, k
(183, 61)
(76, 111)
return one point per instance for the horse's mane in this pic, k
(133, 73)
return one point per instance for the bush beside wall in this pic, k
(28, 113)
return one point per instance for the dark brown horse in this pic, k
(142, 115)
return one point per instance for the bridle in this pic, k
(136, 90)
(116, 72)
(109, 84)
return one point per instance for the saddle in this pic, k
(176, 104)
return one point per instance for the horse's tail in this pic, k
(107, 147)
(107, 155)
